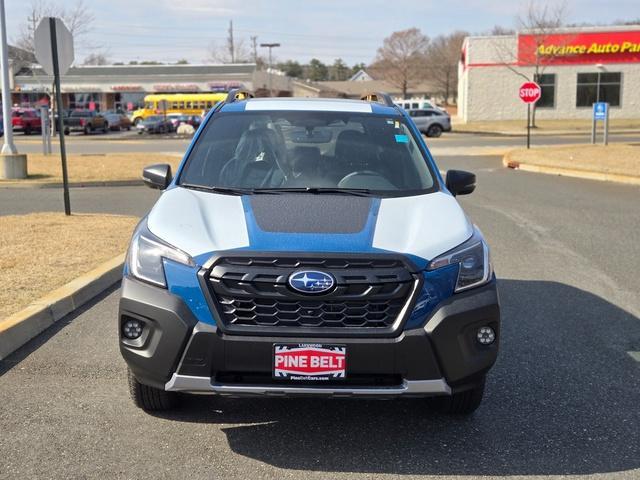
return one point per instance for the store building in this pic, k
(125, 86)
(575, 68)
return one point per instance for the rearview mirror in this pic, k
(460, 182)
(157, 176)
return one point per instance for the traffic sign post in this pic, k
(530, 92)
(54, 51)
(600, 112)
(45, 129)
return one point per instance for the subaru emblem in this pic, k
(311, 281)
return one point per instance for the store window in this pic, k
(85, 101)
(547, 82)
(598, 87)
(127, 101)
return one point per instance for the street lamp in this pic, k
(8, 148)
(270, 46)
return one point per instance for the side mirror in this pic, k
(460, 182)
(157, 176)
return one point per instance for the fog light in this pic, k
(486, 335)
(132, 329)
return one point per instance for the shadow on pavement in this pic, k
(564, 398)
(35, 343)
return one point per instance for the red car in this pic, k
(25, 120)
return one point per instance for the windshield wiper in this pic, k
(214, 189)
(360, 192)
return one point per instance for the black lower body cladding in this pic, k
(175, 343)
(168, 324)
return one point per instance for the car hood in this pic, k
(202, 223)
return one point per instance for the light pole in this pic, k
(8, 148)
(270, 46)
(12, 164)
(600, 68)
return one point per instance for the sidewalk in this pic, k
(615, 163)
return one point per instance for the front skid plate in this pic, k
(189, 384)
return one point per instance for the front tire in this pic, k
(461, 403)
(149, 398)
(434, 131)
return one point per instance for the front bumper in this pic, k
(178, 353)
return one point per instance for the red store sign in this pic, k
(126, 88)
(176, 87)
(580, 48)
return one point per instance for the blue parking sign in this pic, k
(600, 110)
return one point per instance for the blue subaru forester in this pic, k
(308, 247)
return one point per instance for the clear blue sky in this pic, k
(167, 30)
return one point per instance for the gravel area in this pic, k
(620, 159)
(101, 167)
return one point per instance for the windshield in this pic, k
(300, 150)
(154, 118)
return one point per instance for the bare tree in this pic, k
(234, 50)
(500, 30)
(443, 56)
(539, 21)
(78, 18)
(401, 59)
(96, 59)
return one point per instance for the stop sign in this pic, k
(530, 92)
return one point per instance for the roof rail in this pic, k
(378, 97)
(238, 94)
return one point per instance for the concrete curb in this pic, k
(535, 133)
(570, 172)
(19, 328)
(112, 183)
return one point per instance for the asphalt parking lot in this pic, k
(563, 399)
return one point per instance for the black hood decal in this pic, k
(302, 213)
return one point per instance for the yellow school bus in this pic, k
(186, 103)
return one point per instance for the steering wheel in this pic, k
(379, 182)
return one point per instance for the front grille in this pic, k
(252, 293)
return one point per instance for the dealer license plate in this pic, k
(309, 362)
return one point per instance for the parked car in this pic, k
(155, 124)
(176, 119)
(193, 120)
(117, 121)
(26, 120)
(179, 119)
(86, 121)
(419, 105)
(430, 121)
(334, 263)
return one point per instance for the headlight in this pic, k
(146, 254)
(473, 259)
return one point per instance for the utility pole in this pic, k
(230, 45)
(254, 46)
(270, 46)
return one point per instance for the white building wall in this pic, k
(488, 88)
